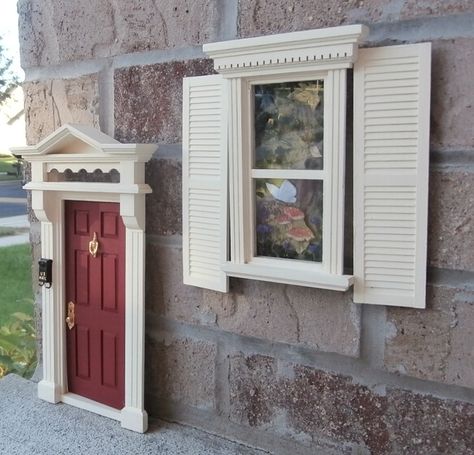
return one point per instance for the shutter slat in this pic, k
(204, 182)
(391, 149)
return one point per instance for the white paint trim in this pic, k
(310, 276)
(307, 49)
(48, 204)
(91, 406)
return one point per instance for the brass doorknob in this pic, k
(71, 316)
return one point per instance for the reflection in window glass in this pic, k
(289, 125)
(289, 218)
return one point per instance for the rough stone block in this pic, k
(452, 106)
(451, 221)
(278, 16)
(148, 100)
(50, 104)
(323, 320)
(417, 8)
(435, 343)
(268, 394)
(166, 295)
(261, 310)
(163, 206)
(60, 31)
(328, 320)
(181, 370)
(253, 384)
(425, 425)
(460, 363)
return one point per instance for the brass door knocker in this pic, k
(71, 316)
(94, 245)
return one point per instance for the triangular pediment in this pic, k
(73, 139)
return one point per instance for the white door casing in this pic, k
(77, 147)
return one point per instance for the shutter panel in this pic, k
(391, 159)
(204, 182)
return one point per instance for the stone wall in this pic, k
(284, 368)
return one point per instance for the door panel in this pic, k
(96, 344)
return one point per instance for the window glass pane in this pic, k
(288, 125)
(289, 218)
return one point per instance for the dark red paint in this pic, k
(96, 345)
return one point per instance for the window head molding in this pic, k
(334, 47)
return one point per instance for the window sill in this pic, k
(313, 279)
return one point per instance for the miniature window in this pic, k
(289, 168)
(288, 124)
(264, 163)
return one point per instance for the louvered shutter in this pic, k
(391, 158)
(204, 182)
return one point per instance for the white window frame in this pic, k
(301, 56)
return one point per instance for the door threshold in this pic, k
(91, 406)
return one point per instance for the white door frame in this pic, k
(103, 152)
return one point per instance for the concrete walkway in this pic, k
(29, 426)
(20, 222)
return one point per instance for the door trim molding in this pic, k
(47, 201)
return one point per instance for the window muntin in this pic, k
(287, 176)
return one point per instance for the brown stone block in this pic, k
(148, 100)
(278, 16)
(60, 31)
(460, 363)
(265, 392)
(424, 425)
(323, 320)
(287, 314)
(181, 370)
(452, 105)
(50, 104)
(163, 206)
(328, 320)
(253, 387)
(260, 310)
(435, 343)
(416, 8)
(166, 295)
(451, 219)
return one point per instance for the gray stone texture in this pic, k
(450, 219)
(163, 206)
(322, 320)
(452, 104)
(181, 370)
(278, 16)
(332, 408)
(435, 343)
(50, 104)
(57, 31)
(148, 100)
(30, 426)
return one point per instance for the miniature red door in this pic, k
(96, 288)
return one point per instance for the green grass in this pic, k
(17, 326)
(7, 165)
(16, 293)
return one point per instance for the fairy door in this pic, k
(95, 301)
